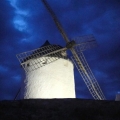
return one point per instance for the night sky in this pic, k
(26, 25)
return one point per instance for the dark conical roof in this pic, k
(46, 43)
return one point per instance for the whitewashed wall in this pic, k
(54, 80)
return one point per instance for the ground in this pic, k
(57, 109)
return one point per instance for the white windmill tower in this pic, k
(49, 73)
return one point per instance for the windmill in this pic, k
(48, 54)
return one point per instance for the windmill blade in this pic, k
(34, 59)
(84, 42)
(85, 38)
(88, 77)
(59, 26)
(84, 46)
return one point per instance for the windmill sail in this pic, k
(88, 77)
(40, 57)
(59, 26)
(84, 42)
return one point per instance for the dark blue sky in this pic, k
(26, 24)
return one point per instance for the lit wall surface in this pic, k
(54, 80)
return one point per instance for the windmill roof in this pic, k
(46, 43)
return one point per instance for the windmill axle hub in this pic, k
(70, 44)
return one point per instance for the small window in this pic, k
(28, 64)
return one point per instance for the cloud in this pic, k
(19, 23)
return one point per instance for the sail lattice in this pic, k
(34, 59)
(88, 77)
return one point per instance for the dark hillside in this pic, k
(59, 109)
